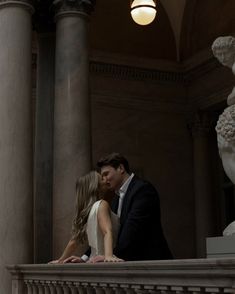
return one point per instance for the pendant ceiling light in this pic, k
(143, 12)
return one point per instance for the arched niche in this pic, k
(203, 22)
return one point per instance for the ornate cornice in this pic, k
(27, 4)
(183, 78)
(136, 73)
(83, 7)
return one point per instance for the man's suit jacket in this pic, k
(140, 235)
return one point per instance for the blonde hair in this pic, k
(87, 193)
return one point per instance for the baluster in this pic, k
(116, 288)
(93, 287)
(99, 290)
(163, 289)
(154, 291)
(151, 289)
(66, 289)
(29, 287)
(107, 289)
(52, 287)
(46, 287)
(141, 290)
(229, 290)
(59, 289)
(195, 290)
(90, 290)
(178, 289)
(120, 290)
(35, 288)
(126, 288)
(81, 288)
(213, 290)
(40, 288)
(73, 287)
(136, 288)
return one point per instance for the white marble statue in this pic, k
(229, 230)
(226, 140)
(224, 50)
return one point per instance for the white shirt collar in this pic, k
(124, 187)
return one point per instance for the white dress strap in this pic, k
(95, 237)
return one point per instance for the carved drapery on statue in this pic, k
(224, 50)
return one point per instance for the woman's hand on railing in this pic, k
(102, 258)
(57, 261)
(112, 258)
(73, 259)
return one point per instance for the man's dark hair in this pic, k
(114, 160)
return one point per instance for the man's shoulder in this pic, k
(140, 184)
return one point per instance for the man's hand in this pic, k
(73, 259)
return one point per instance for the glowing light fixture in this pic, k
(143, 12)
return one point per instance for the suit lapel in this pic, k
(132, 188)
(114, 204)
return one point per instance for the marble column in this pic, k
(15, 137)
(72, 133)
(202, 182)
(43, 155)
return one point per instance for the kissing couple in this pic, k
(129, 228)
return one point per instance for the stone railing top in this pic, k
(146, 270)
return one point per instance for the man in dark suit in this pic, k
(137, 203)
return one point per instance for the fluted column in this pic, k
(15, 136)
(72, 144)
(202, 182)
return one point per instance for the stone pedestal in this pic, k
(202, 182)
(223, 246)
(72, 144)
(16, 171)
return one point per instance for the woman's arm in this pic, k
(105, 224)
(68, 251)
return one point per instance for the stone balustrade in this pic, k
(150, 277)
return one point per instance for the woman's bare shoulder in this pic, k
(104, 206)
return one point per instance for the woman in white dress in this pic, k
(93, 221)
